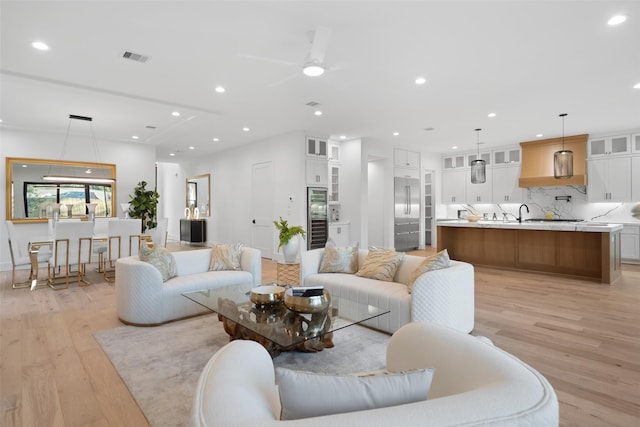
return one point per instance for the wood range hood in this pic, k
(537, 161)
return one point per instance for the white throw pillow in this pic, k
(339, 259)
(161, 259)
(225, 257)
(307, 394)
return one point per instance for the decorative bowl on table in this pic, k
(307, 300)
(267, 295)
(473, 218)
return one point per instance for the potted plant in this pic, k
(144, 205)
(288, 242)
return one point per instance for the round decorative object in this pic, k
(290, 250)
(473, 218)
(269, 294)
(306, 304)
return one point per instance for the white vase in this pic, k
(290, 250)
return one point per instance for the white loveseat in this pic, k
(474, 383)
(444, 296)
(142, 298)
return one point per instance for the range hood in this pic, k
(537, 161)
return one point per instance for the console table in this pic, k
(193, 230)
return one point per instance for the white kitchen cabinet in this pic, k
(506, 156)
(453, 161)
(340, 233)
(454, 187)
(406, 158)
(317, 172)
(505, 185)
(334, 183)
(635, 179)
(609, 180)
(479, 193)
(630, 243)
(406, 172)
(635, 141)
(316, 147)
(334, 152)
(474, 156)
(609, 146)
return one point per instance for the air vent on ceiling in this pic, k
(150, 127)
(135, 56)
(312, 104)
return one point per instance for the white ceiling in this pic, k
(527, 61)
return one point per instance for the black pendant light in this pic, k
(563, 159)
(478, 166)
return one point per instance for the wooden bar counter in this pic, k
(578, 249)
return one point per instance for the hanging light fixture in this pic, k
(563, 159)
(88, 175)
(478, 166)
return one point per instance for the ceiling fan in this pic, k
(313, 65)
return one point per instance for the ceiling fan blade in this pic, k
(284, 80)
(267, 59)
(320, 44)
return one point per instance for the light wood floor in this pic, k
(583, 337)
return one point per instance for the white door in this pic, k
(262, 201)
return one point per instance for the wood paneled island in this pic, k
(581, 250)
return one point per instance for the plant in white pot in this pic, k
(288, 239)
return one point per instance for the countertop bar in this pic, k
(585, 226)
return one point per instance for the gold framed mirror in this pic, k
(198, 193)
(29, 197)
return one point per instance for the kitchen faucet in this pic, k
(520, 212)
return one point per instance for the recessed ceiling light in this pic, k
(175, 114)
(396, 133)
(220, 89)
(491, 115)
(421, 81)
(216, 139)
(539, 135)
(343, 137)
(618, 19)
(246, 129)
(455, 147)
(40, 45)
(0, 120)
(318, 113)
(135, 137)
(192, 148)
(636, 86)
(313, 70)
(172, 154)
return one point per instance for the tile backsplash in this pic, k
(565, 202)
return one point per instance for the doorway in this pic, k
(262, 208)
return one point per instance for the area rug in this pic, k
(161, 365)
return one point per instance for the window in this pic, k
(38, 196)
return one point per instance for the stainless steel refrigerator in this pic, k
(407, 213)
(317, 222)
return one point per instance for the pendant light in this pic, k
(478, 166)
(563, 159)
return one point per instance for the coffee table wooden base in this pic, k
(239, 332)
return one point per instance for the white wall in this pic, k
(375, 207)
(134, 163)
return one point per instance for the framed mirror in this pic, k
(199, 193)
(29, 197)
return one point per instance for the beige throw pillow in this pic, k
(339, 259)
(307, 394)
(433, 262)
(161, 259)
(225, 257)
(381, 264)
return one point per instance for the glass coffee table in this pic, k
(275, 326)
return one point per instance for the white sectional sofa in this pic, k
(474, 383)
(444, 296)
(142, 298)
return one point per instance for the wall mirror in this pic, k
(29, 197)
(198, 193)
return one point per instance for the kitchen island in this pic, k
(583, 250)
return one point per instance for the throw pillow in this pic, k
(339, 259)
(433, 262)
(225, 257)
(161, 259)
(381, 264)
(307, 394)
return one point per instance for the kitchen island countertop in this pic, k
(585, 226)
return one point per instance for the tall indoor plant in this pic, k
(144, 205)
(288, 242)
